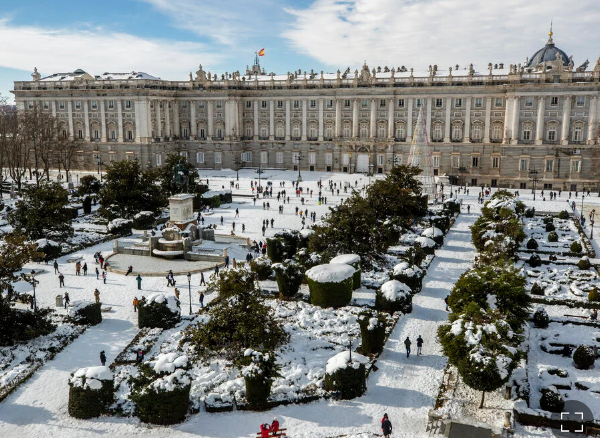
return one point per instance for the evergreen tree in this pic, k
(88, 185)
(164, 176)
(43, 212)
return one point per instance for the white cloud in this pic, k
(98, 50)
(418, 33)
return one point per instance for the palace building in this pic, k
(491, 127)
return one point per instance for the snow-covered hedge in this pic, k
(540, 318)
(434, 233)
(352, 260)
(144, 220)
(49, 247)
(257, 378)
(412, 276)
(330, 285)
(120, 227)
(162, 391)
(261, 267)
(426, 244)
(91, 391)
(347, 378)
(158, 310)
(452, 206)
(584, 357)
(85, 312)
(372, 331)
(551, 400)
(394, 296)
(289, 278)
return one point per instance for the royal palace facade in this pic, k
(491, 127)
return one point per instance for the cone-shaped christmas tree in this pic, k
(420, 156)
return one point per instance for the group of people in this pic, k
(408, 343)
(271, 430)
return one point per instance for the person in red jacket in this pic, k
(275, 426)
(264, 430)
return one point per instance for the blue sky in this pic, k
(169, 38)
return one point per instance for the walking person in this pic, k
(78, 268)
(61, 279)
(217, 270)
(176, 293)
(201, 299)
(67, 300)
(139, 281)
(202, 282)
(419, 345)
(97, 273)
(97, 295)
(103, 358)
(56, 268)
(227, 261)
(386, 426)
(407, 344)
(104, 276)
(135, 304)
(85, 269)
(468, 209)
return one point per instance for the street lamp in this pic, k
(582, 198)
(533, 176)
(370, 172)
(592, 223)
(237, 163)
(30, 278)
(189, 277)
(98, 161)
(299, 158)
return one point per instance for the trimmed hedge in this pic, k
(120, 227)
(550, 227)
(156, 315)
(584, 357)
(261, 267)
(52, 251)
(90, 403)
(289, 277)
(402, 304)
(541, 319)
(532, 244)
(373, 339)
(275, 250)
(534, 261)
(258, 389)
(162, 407)
(576, 247)
(552, 236)
(442, 222)
(594, 295)
(87, 204)
(331, 294)
(89, 314)
(563, 215)
(144, 220)
(536, 289)
(584, 264)
(551, 401)
(350, 382)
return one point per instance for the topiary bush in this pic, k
(441, 222)
(550, 227)
(532, 244)
(349, 379)
(412, 276)
(275, 250)
(372, 331)
(534, 261)
(551, 400)
(50, 248)
(91, 392)
(540, 318)
(231, 281)
(584, 264)
(258, 378)
(576, 247)
(85, 312)
(261, 267)
(552, 236)
(594, 295)
(536, 289)
(330, 285)
(144, 220)
(158, 311)
(394, 297)
(289, 278)
(120, 227)
(563, 215)
(354, 261)
(530, 212)
(86, 203)
(584, 357)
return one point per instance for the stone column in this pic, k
(515, 121)
(227, 121)
(70, 110)
(391, 104)
(373, 121)
(120, 121)
(303, 119)
(211, 132)
(467, 132)
(338, 118)
(428, 119)
(158, 119)
(87, 120)
(271, 118)
(320, 138)
(409, 123)
(566, 121)
(287, 120)
(488, 120)
(148, 119)
(138, 121)
(507, 120)
(176, 128)
(103, 133)
(448, 124)
(193, 126)
(168, 133)
(355, 118)
(592, 122)
(256, 127)
(539, 128)
(53, 103)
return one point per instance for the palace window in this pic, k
(61, 105)
(436, 161)
(312, 158)
(475, 161)
(263, 104)
(183, 104)
(364, 131)
(94, 104)
(184, 133)
(497, 132)
(130, 135)
(458, 102)
(158, 160)
(218, 158)
(580, 101)
(200, 157)
(328, 159)
(554, 101)
(113, 134)
(219, 132)
(64, 133)
(527, 132)
(296, 104)
(578, 133)
(264, 157)
(329, 103)
(279, 132)
(400, 133)
(313, 103)
(478, 102)
(364, 103)
(523, 164)
(111, 104)
(264, 131)
(312, 131)
(96, 134)
(346, 131)
(455, 161)
(46, 105)
(345, 159)
(549, 165)
(576, 166)
(279, 157)
(380, 160)
(477, 132)
(128, 104)
(202, 133)
(80, 133)
(456, 132)
(529, 102)
(219, 104)
(201, 104)
(296, 131)
(247, 157)
(551, 135)
(328, 131)
(437, 132)
(495, 162)
(78, 105)
(248, 104)
(400, 103)
(419, 103)
(280, 104)
(439, 103)
(248, 131)
(498, 103)
(382, 103)
(346, 103)
(381, 131)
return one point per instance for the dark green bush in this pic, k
(534, 261)
(232, 281)
(86, 313)
(261, 267)
(144, 220)
(452, 207)
(563, 215)
(415, 282)
(330, 294)
(157, 315)
(594, 295)
(90, 403)
(576, 247)
(403, 303)
(372, 331)
(87, 204)
(20, 325)
(350, 382)
(552, 236)
(530, 212)
(584, 357)
(120, 227)
(52, 251)
(550, 227)
(551, 401)
(441, 222)
(536, 289)
(162, 407)
(258, 389)
(289, 277)
(532, 244)
(540, 318)
(584, 264)
(275, 250)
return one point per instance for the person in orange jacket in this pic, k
(135, 304)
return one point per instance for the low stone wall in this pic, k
(132, 251)
(204, 257)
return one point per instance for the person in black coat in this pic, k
(386, 426)
(407, 344)
(419, 345)
(102, 358)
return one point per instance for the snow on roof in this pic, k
(346, 259)
(393, 290)
(125, 76)
(340, 361)
(334, 273)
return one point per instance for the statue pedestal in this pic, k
(182, 210)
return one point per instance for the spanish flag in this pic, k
(261, 52)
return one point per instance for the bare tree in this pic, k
(39, 129)
(65, 149)
(4, 132)
(16, 150)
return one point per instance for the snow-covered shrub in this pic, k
(232, 281)
(576, 247)
(86, 203)
(352, 260)
(530, 212)
(306, 259)
(394, 296)
(441, 222)
(534, 261)
(275, 250)
(347, 378)
(584, 264)
(258, 370)
(532, 244)
(158, 310)
(283, 245)
(552, 236)
(120, 227)
(550, 227)
(434, 233)
(536, 289)
(452, 206)
(161, 390)
(372, 331)
(85, 312)
(594, 295)
(50, 248)
(540, 318)
(412, 276)
(91, 391)
(426, 244)
(330, 285)
(563, 215)
(261, 266)
(551, 400)
(584, 357)
(144, 220)
(289, 277)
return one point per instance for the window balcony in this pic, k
(218, 138)
(496, 140)
(577, 142)
(247, 137)
(437, 140)
(551, 141)
(279, 138)
(263, 137)
(328, 138)
(456, 140)
(525, 141)
(296, 138)
(312, 138)
(400, 138)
